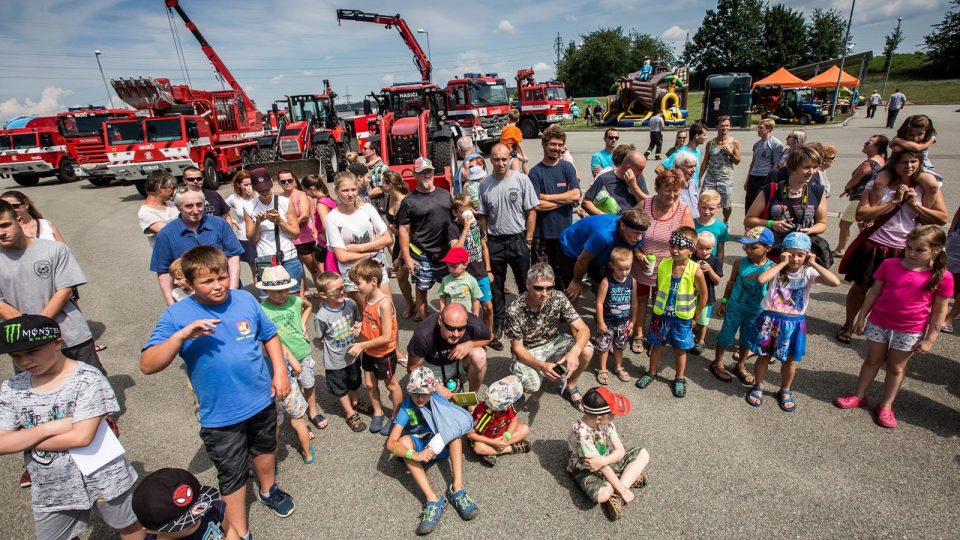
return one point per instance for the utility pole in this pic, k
(843, 57)
(890, 60)
(97, 54)
(558, 46)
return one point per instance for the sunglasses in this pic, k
(16, 206)
(337, 292)
(542, 288)
(192, 178)
(633, 226)
(453, 328)
(614, 138)
(286, 182)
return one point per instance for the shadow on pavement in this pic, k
(552, 454)
(120, 384)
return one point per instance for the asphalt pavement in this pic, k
(719, 468)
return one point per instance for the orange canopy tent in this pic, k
(784, 78)
(828, 79)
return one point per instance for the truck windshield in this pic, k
(305, 109)
(83, 126)
(24, 141)
(555, 93)
(493, 94)
(125, 133)
(164, 130)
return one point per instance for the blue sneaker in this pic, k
(430, 516)
(376, 423)
(278, 501)
(463, 503)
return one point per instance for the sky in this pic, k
(278, 47)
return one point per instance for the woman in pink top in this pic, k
(906, 305)
(666, 214)
(895, 204)
(317, 190)
(303, 206)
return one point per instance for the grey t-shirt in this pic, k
(333, 329)
(655, 123)
(29, 278)
(766, 156)
(58, 483)
(506, 202)
(896, 101)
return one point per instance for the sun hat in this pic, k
(476, 173)
(275, 278)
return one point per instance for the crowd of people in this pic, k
(319, 305)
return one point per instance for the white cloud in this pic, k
(389, 79)
(276, 79)
(506, 27)
(48, 104)
(675, 33)
(307, 73)
(570, 18)
(544, 71)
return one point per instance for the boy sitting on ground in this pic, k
(497, 431)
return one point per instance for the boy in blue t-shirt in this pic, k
(412, 440)
(218, 332)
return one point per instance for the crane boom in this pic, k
(212, 55)
(419, 57)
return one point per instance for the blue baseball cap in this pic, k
(796, 240)
(762, 235)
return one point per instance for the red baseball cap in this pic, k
(456, 255)
(599, 401)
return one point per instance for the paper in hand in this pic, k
(104, 448)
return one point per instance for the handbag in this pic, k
(266, 261)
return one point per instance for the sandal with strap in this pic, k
(720, 372)
(614, 507)
(622, 374)
(363, 407)
(757, 394)
(746, 378)
(356, 423)
(603, 377)
(844, 335)
(569, 393)
(679, 388)
(786, 398)
(636, 345)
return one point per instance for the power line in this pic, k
(558, 46)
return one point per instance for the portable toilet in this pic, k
(727, 94)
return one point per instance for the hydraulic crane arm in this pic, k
(211, 54)
(419, 57)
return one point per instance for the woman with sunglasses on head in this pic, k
(30, 218)
(303, 208)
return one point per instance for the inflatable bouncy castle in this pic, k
(635, 100)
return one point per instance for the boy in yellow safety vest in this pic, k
(681, 296)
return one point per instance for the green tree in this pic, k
(892, 41)
(602, 56)
(784, 38)
(825, 35)
(943, 44)
(730, 38)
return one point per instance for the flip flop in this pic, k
(407, 313)
(786, 398)
(757, 394)
(720, 372)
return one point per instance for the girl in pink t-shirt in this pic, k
(906, 305)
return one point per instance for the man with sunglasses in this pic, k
(603, 160)
(443, 339)
(624, 184)
(540, 350)
(213, 203)
(588, 242)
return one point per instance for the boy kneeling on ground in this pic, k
(427, 429)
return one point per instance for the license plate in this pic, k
(148, 168)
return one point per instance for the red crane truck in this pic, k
(540, 104)
(216, 131)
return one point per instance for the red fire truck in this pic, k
(540, 104)
(479, 103)
(82, 129)
(215, 131)
(31, 147)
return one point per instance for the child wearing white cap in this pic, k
(497, 431)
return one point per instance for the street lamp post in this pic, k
(429, 54)
(890, 60)
(97, 54)
(846, 39)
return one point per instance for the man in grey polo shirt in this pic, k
(507, 217)
(895, 102)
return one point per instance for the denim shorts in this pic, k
(428, 272)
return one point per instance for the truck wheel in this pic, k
(67, 173)
(804, 119)
(329, 161)
(100, 181)
(141, 186)
(26, 180)
(529, 128)
(442, 155)
(211, 179)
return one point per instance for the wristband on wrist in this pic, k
(769, 223)
(724, 300)
(409, 454)
(507, 435)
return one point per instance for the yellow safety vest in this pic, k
(686, 294)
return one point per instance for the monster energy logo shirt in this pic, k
(57, 482)
(30, 277)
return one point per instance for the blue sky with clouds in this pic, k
(277, 47)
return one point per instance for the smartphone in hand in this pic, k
(560, 368)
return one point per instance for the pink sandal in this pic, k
(885, 418)
(849, 402)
